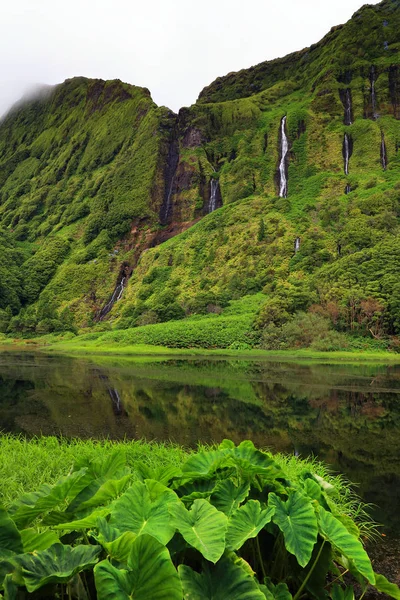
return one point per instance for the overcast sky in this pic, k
(174, 48)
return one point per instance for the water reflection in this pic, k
(347, 415)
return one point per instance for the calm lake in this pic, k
(347, 415)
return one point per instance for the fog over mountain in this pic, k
(172, 49)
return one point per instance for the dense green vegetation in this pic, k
(230, 522)
(96, 181)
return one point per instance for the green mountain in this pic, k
(280, 186)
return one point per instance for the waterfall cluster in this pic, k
(212, 204)
(283, 187)
(383, 152)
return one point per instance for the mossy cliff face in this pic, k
(95, 178)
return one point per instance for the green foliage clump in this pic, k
(211, 526)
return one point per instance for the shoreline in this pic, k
(93, 348)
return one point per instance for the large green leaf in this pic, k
(227, 497)
(150, 575)
(10, 537)
(385, 587)
(203, 527)
(246, 523)
(58, 564)
(224, 581)
(110, 489)
(337, 534)
(34, 541)
(86, 523)
(254, 462)
(193, 490)
(204, 464)
(297, 520)
(32, 505)
(141, 511)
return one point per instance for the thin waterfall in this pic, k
(116, 401)
(283, 186)
(346, 153)
(116, 295)
(345, 96)
(347, 189)
(297, 245)
(372, 78)
(212, 204)
(383, 152)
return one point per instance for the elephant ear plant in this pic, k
(231, 524)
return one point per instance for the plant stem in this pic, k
(85, 537)
(301, 588)
(69, 591)
(260, 557)
(340, 577)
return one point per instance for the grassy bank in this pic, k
(82, 346)
(26, 464)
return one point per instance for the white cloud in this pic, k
(174, 48)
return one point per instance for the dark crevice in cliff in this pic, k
(171, 165)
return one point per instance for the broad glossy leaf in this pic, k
(246, 523)
(135, 511)
(10, 537)
(205, 463)
(224, 581)
(109, 490)
(227, 497)
(193, 490)
(161, 474)
(337, 534)
(34, 541)
(58, 564)
(385, 587)
(31, 506)
(203, 527)
(254, 462)
(117, 545)
(297, 520)
(150, 575)
(86, 523)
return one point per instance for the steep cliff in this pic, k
(95, 178)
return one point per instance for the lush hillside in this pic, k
(104, 195)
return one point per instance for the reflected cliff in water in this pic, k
(347, 415)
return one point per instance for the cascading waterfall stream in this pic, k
(383, 152)
(347, 189)
(345, 96)
(297, 245)
(346, 153)
(283, 187)
(212, 204)
(116, 295)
